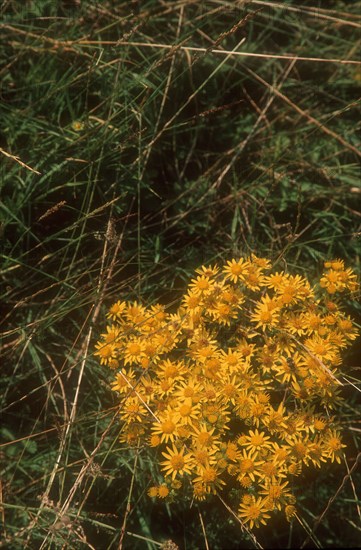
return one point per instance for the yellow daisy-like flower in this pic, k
(192, 301)
(300, 447)
(257, 441)
(163, 491)
(318, 453)
(276, 494)
(290, 512)
(347, 328)
(106, 352)
(177, 462)
(133, 410)
(204, 457)
(201, 285)
(153, 492)
(236, 270)
(210, 478)
(253, 279)
(116, 311)
(171, 369)
(189, 389)
(232, 360)
(230, 389)
(271, 470)
(208, 271)
(322, 348)
(224, 313)
(262, 263)
(333, 446)
(200, 491)
(187, 412)
(166, 428)
(135, 313)
(124, 381)
(133, 351)
(294, 289)
(275, 280)
(254, 512)
(112, 335)
(266, 313)
(204, 437)
(249, 466)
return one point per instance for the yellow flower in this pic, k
(232, 360)
(157, 312)
(189, 389)
(192, 301)
(154, 441)
(132, 434)
(133, 411)
(116, 310)
(266, 314)
(201, 285)
(300, 448)
(272, 470)
(262, 263)
(133, 351)
(187, 412)
(333, 446)
(106, 352)
(290, 512)
(232, 451)
(257, 441)
(275, 280)
(216, 414)
(248, 465)
(254, 512)
(166, 428)
(124, 381)
(286, 369)
(318, 453)
(204, 437)
(230, 389)
(276, 494)
(163, 491)
(294, 289)
(209, 477)
(153, 492)
(258, 411)
(224, 313)
(204, 457)
(253, 279)
(200, 491)
(236, 270)
(135, 313)
(276, 420)
(170, 369)
(347, 328)
(320, 347)
(207, 271)
(77, 125)
(112, 335)
(177, 462)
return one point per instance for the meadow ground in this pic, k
(140, 140)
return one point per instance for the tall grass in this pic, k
(139, 140)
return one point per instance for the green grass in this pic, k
(128, 159)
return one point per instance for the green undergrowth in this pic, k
(136, 145)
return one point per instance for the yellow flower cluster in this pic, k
(234, 391)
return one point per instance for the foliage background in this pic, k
(134, 149)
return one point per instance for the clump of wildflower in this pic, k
(236, 391)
